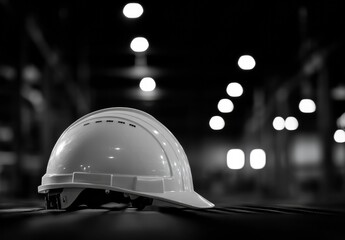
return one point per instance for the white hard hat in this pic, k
(115, 154)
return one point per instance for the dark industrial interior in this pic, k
(60, 60)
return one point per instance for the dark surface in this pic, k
(245, 221)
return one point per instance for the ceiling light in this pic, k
(278, 123)
(246, 62)
(339, 136)
(307, 106)
(147, 84)
(257, 158)
(234, 89)
(139, 44)
(217, 123)
(235, 159)
(291, 123)
(225, 105)
(133, 10)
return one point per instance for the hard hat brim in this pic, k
(186, 198)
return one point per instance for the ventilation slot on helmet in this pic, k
(110, 121)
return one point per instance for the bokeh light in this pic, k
(217, 123)
(235, 159)
(225, 105)
(147, 84)
(246, 62)
(307, 106)
(139, 44)
(278, 123)
(339, 136)
(291, 123)
(234, 89)
(133, 10)
(257, 158)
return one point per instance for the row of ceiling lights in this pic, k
(291, 123)
(139, 44)
(235, 157)
(234, 89)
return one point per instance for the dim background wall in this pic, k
(62, 59)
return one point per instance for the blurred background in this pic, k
(253, 90)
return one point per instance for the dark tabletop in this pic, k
(243, 221)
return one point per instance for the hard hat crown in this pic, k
(121, 149)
